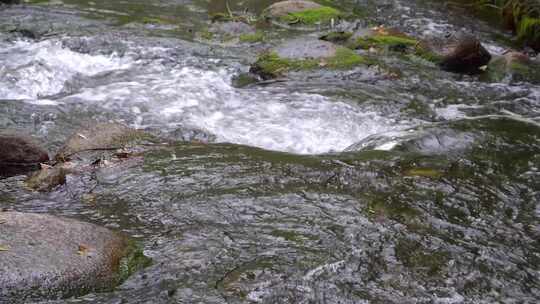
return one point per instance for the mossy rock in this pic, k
(47, 178)
(337, 37)
(513, 67)
(302, 54)
(102, 136)
(252, 37)
(47, 257)
(391, 40)
(301, 12)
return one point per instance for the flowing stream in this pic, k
(329, 187)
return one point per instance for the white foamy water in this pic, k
(158, 95)
(30, 70)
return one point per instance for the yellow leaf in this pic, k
(4, 248)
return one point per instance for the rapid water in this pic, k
(431, 194)
(148, 88)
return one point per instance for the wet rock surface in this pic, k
(253, 198)
(47, 257)
(19, 154)
(306, 48)
(461, 53)
(99, 137)
(284, 8)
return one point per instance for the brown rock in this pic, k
(19, 155)
(460, 53)
(48, 257)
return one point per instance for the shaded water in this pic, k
(430, 193)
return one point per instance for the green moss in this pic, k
(416, 258)
(337, 37)
(133, 260)
(345, 58)
(424, 172)
(271, 65)
(206, 34)
(383, 41)
(252, 38)
(312, 16)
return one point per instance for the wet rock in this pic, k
(459, 53)
(513, 67)
(305, 48)
(301, 12)
(232, 31)
(382, 39)
(47, 178)
(336, 37)
(233, 28)
(19, 155)
(304, 54)
(48, 257)
(431, 141)
(9, 2)
(103, 136)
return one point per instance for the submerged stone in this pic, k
(47, 178)
(48, 257)
(19, 155)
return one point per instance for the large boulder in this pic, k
(48, 257)
(19, 154)
(460, 53)
(301, 12)
(304, 54)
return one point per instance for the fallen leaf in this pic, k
(83, 250)
(4, 248)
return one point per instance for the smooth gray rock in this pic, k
(306, 48)
(48, 257)
(232, 28)
(283, 8)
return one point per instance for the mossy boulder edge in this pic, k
(49, 257)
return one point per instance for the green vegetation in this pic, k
(271, 65)
(133, 260)
(528, 30)
(414, 256)
(252, 38)
(383, 41)
(312, 16)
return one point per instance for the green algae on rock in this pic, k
(305, 53)
(51, 257)
(301, 12)
(271, 65)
